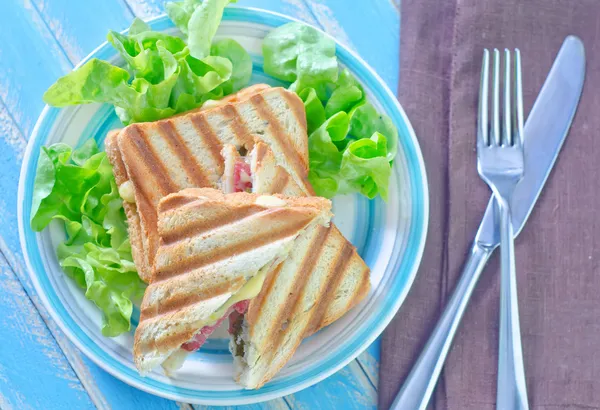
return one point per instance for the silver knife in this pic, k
(545, 132)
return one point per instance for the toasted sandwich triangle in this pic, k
(212, 251)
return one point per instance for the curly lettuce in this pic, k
(301, 55)
(351, 145)
(164, 75)
(77, 187)
(199, 20)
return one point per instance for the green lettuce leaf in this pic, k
(365, 167)
(315, 112)
(200, 80)
(163, 77)
(138, 26)
(78, 188)
(241, 62)
(347, 94)
(199, 20)
(325, 159)
(351, 145)
(366, 121)
(95, 81)
(340, 164)
(203, 25)
(180, 13)
(302, 55)
(142, 54)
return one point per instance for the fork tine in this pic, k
(506, 111)
(518, 117)
(482, 117)
(496, 99)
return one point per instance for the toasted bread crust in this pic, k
(133, 220)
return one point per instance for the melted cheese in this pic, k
(126, 192)
(174, 361)
(270, 201)
(250, 290)
(208, 104)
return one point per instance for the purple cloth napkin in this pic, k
(558, 258)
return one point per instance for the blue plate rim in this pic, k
(340, 360)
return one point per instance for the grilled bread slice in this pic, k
(317, 284)
(182, 152)
(212, 248)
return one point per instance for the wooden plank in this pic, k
(369, 362)
(81, 26)
(346, 389)
(33, 358)
(279, 404)
(12, 147)
(30, 60)
(296, 8)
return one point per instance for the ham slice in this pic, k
(200, 337)
(242, 180)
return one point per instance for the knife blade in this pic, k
(545, 131)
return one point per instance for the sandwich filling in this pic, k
(198, 340)
(242, 176)
(236, 304)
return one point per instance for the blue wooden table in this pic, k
(41, 40)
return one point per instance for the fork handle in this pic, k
(421, 381)
(512, 390)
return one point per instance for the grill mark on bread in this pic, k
(334, 280)
(279, 181)
(261, 152)
(182, 301)
(198, 227)
(163, 344)
(297, 109)
(209, 136)
(362, 288)
(302, 275)
(190, 166)
(238, 126)
(279, 134)
(112, 150)
(262, 239)
(148, 159)
(171, 202)
(255, 304)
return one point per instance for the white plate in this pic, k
(390, 237)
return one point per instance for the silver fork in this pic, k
(500, 165)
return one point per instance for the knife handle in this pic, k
(419, 385)
(512, 390)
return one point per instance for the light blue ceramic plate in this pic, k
(390, 237)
